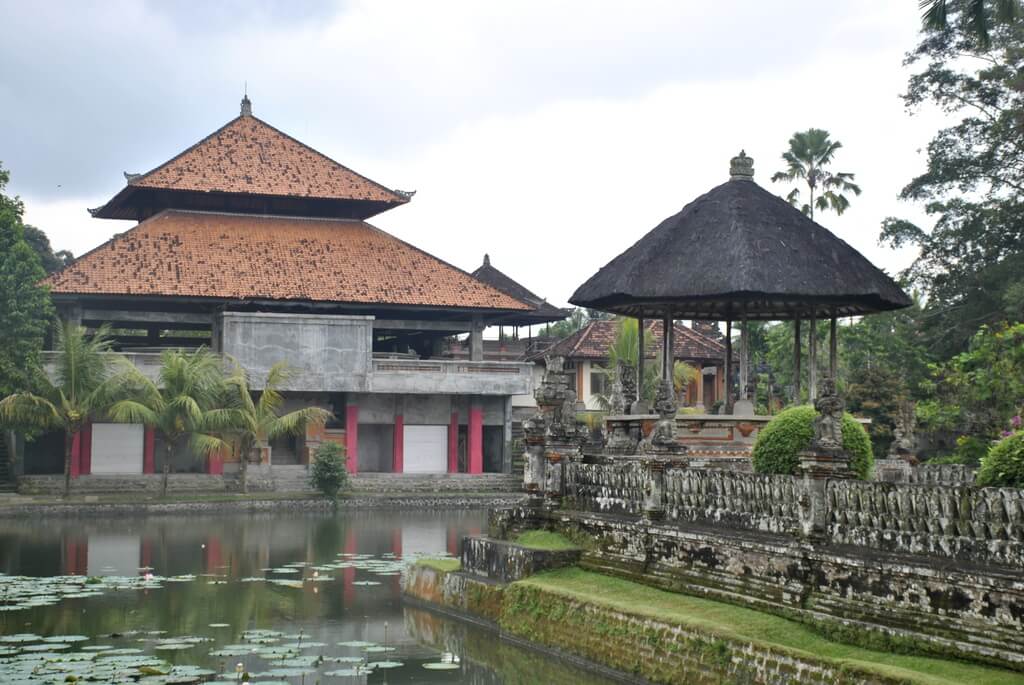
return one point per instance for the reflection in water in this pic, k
(359, 600)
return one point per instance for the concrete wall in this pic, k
(328, 353)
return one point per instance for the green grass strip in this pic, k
(544, 539)
(739, 623)
(443, 565)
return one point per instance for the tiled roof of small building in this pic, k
(595, 339)
(542, 312)
(236, 256)
(250, 156)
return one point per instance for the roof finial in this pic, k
(246, 102)
(487, 259)
(741, 167)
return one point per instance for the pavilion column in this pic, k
(744, 359)
(728, 366)
(352, 438)
(796, 361)
(640, 359)
(833, 348)
(667, 349)
(475, 458)
(812, 361)
(699, 403)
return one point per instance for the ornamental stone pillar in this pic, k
(825, 460)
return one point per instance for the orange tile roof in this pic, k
(237, 256)
(594, 340)
(250, 156)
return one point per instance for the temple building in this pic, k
(586, 355)
(257, 246)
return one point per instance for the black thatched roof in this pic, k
(542, 311)
(738, 250)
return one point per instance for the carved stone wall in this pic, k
(980, 525)
(984, 525)
(745, 500)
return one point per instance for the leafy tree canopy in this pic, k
(971, 264)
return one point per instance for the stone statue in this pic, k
(618, 400)
(904, 440)
(626, 373)
(663, 436)
(828, 425)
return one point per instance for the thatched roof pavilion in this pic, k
(738, 252)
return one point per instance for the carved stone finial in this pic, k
(828, 424)
(246, 106)
(741, 167)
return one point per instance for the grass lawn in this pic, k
(544, 539)
(443, 565)
(728, 621)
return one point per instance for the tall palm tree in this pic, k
(177, 404)
(810, 153)
(254, 422)
(88, 381)
(978, 16)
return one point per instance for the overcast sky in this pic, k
(550, 134)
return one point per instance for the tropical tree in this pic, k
(807, 159)
(178, 404)
(25, 310)
(254, 422)
(87, 384)
(977, 18)
(971, 263)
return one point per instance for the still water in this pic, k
(284, 598)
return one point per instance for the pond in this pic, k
(283, 598)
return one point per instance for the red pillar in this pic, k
(398, 450)
(149, 450)
(76, 454)
(453, 443)
(352, 438)
(476, 440)
(215, 464)
(85, 450)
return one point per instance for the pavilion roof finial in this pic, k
(487, 259)
(741, 167)
(246, 105)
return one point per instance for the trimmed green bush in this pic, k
(1003, 466)
(327, 473)
(780, 442)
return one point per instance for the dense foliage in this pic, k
(25, 309)
(328, 473)
(971, 264)
(1003, 466)
(780, 442)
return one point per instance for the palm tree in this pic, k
(978, 16)
(177, 405)
(256, 422)
(86, 385)
(810, 152)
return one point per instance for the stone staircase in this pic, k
(7, 482)
(290, 478)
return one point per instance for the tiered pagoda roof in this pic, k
(543, 312)
(247, 165)
(244, 257)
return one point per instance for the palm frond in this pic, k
(133, 411)
(204, 444)
(25, 411)
(294, 423)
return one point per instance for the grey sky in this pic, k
(550, 134)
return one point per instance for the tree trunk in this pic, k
(167, 466)
(69, 439)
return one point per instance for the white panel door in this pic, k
(425, 449)
(117, 448)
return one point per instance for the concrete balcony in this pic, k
(440, 376)
(146, 362)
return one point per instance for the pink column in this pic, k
(149, 450)
(453, 443)
(85, 450)
(215, 464)
(352, 438)
(398, 446)
(476, 440)
(76, 454)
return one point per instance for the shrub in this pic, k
(1003, 466)
(328, 473)
(780, 442)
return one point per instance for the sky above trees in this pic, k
(550, 135)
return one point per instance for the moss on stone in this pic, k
(544, 539)
(582, 612)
